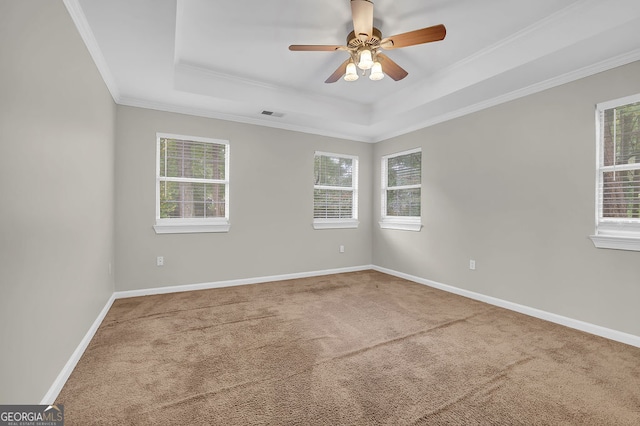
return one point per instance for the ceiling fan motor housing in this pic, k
(354, 42)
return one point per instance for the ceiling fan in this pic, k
(365, 42)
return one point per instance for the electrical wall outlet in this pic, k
(472, 264)
(341, 249)
(160, 261)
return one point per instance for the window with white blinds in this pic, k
(192, 184)
(335, 191)
(618, 174)
(401, 190)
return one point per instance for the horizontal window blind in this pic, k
(335, 186)
(190, 159)
(402, 181)
(618, 189)
(403, 202)
(404, 170)
(192, 179)
(334, 171)
(191, 199)
(332, 204)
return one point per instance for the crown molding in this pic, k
(80, 21)
(267, 122)
(199, 80)
(587, 71)
(584, 72)
(333, 128)
(535, 28)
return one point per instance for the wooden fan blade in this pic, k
(425, 35)
(339, 72)
(362, 13)
(390, 68)
(315, 47)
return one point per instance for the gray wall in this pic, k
(56, 183)
(271, 206)
(513, 188)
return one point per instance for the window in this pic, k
(618, 174)
(192, 184)
(401, 190)
(335, 191)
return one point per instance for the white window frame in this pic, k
(342, 223)
(191, 225)
(404, 223)
(612, 233)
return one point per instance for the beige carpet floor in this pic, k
(360, 348)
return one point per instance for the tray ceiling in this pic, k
(230, 60)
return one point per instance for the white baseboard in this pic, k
(608, 333)
(57, 385)
(51, 395)
(232, 283)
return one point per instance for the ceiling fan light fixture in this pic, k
(352, 72)
(376, 72)
(365, 61)
(365, 42)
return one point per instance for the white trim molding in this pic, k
(51, 395)
(597, 330)
(191, 228)
(232, 283)
(616, 242)
(59, 382)
(619, 233)
(335, 223)
(402, 224)
(190, 225)
(80, 20)
(327, 207)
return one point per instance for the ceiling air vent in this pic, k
(272, 114)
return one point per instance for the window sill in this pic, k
(335, 223)
(191, 228)
(616, 242)
(402, 224)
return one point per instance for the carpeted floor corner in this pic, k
(360, 348)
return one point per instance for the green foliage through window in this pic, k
(620, 177)
(334, 193)
(403, 184)
(192, 179)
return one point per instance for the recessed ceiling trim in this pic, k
(213, 74)
(207, 113)
(378, 137)
(81, 23)
(207, 73)
(588, 31)
(602, 66)
(535, 28)
(524, 46)
(202, 81)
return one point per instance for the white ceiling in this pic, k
(230, 59)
